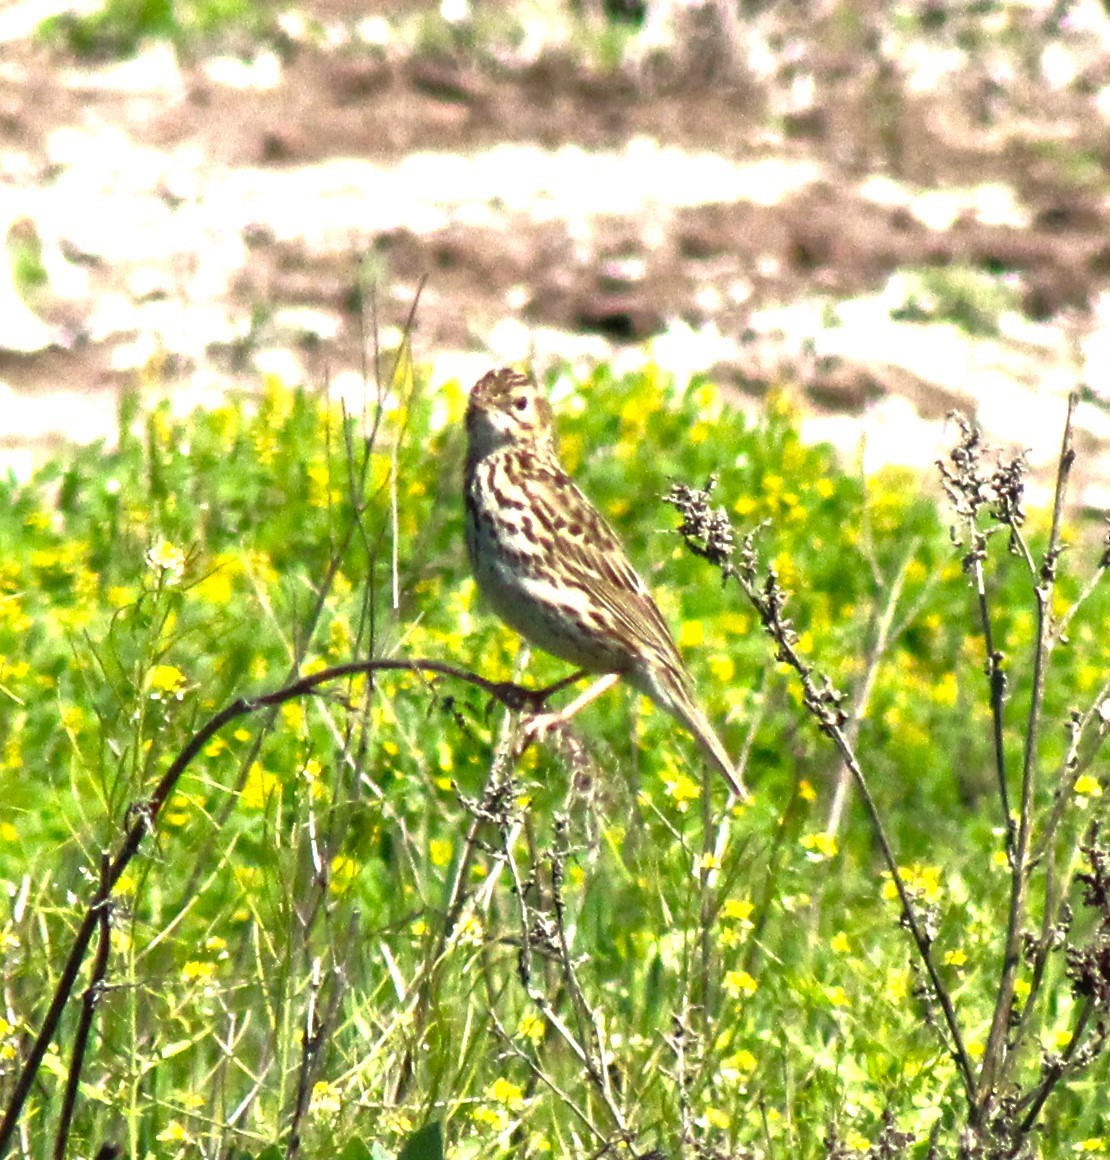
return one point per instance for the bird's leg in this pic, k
(550, 690)
(542, 724)
(518, 698)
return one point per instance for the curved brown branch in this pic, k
(143, 815)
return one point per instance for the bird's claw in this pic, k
(537, 728)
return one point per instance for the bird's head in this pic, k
(506, 409)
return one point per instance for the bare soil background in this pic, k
(753, 186)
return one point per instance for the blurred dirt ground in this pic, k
(898, 208)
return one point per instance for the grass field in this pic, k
(359, 926)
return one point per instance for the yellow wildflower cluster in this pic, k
(259, 788)
(7, 1040)
(682, 790)
(344, 870)
(924, 883)
(739, 984)
(820, 847)
(166, 683)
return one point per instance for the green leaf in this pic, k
(425, 1143)
(355, 1149)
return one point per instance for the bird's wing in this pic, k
(595, 561)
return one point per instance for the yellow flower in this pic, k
(312, 771)
(691, 634)
(259, 564)
(819, 847)
(683, 790)
(922, 882)
(840, 943)
(897, 985)
(715, 1118)
(494, 1117)
(955, 958)
(501, 1091)
(707, 399)
(259, 788)
(74, 618)
(339, 637)
(166, 682)
(73, 717)
(740, 1061)
(294, 716)
(440, 850)
(735, 623)
(173, 1133)
(14, 618)
(177, 810)
(946, 690)
(325, 1100)
(1087, 786)
(396, 1121)
(531, 1026)
(737, 910)
(722, 667)
(343, 871)
(740, 983)
(215, 588)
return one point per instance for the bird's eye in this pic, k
(521, 402)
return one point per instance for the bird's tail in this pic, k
(674, 696)
(698, 724)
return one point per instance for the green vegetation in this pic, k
(120, 26)
(357, 915)
(24, 251)
(971, 299)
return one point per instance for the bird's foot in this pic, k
(537, 729)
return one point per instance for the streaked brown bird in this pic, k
(555, 571)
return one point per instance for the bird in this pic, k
(550, 566)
